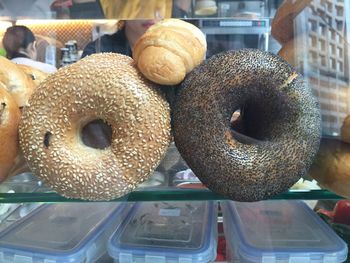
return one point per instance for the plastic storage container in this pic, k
(61, 233)
(279, 231)
(11, 213)
(157, 232)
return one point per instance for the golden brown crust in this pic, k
(164, 65)
(165, 40)
(16, 81)
(104, 87)
(197, 41)
(282, 26)
(184, 40)
(332, 167)
(33, 74)
(9, 119)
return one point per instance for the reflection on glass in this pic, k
(135, 9)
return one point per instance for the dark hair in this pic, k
(15, 38)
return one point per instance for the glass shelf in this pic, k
(163, 194)
(172, 181)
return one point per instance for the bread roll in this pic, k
(9, 120)
(331, 168)
(16, 81)
(34, 74)
(169, 50)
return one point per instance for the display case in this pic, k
(311, 35)
(53, 30)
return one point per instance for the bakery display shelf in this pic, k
(220, 27)
(25, 188)
(162, 194)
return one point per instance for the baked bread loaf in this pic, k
(331, 168)
(282, 26)
(16, 81)
(9, 120)
(36, 75)
(169, 50)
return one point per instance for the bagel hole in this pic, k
(262, 118)
(47, 138)
(97, 134)
(238, 127)
(247, 125)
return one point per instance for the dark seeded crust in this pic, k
(278, 109)
(102, 86)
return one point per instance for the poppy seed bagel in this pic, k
(272, 143)
(105, 87)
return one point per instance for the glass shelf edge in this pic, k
(163, 195)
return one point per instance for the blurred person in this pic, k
(20, 45)
(28, 9)
(123, 40)
(136, 9)
(140, 14)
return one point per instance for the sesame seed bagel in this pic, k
(272, 142)
(105, 87)
(9, 120)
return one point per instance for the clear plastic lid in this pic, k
(56, 231)
(166, 230)
(280, 231)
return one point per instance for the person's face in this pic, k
(138, 27)
(31, 50)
